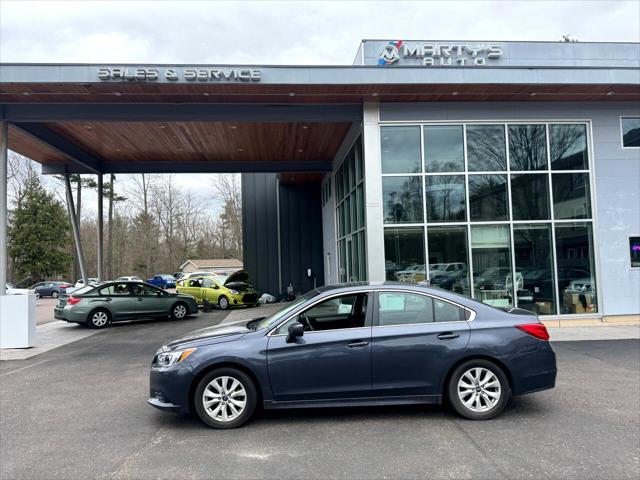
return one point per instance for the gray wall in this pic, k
(300, 233)
(617, 178)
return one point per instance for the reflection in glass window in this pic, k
(568, 147)
(448, 258)
(445, 198)
(447, 312)
(530, 196)
(486, 148)
(527, 147)
(443, 148)
(488, 197)
(630, 131)
(404, 254)
(534, 268)
(402, 199)
(576, 272)
(400, 149)
(491, 257)
(571, 197)
(399, 308)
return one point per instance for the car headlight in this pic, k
(165, 360)
(233, 292)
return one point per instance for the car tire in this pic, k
(225, 398)
(37, 295)
(478, 390)
(99, 318)
(223, 302)
(179, 311)
(55, 294)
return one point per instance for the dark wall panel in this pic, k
(300, 233)
(260, 230)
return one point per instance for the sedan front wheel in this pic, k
(179, 311)
(225, 398)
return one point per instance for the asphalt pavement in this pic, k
(80, 412)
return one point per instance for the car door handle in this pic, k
(108, 299)
(448, 336)
(358, 344)
(139, 299)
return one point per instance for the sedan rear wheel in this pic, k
(225, 398)
(478, 390)
(55, 294)
(99, 319)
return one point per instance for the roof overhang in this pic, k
(162, 119)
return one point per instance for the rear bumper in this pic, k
(67, 315)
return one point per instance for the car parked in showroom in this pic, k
(98, 305)
(357, 345)
(50, 289)
(225, 292)
(163, 281)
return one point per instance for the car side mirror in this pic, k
(296, 329)
(216, 287)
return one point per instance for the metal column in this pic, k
(4, 145)
(76, 229)
(100, 229)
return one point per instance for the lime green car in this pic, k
(222, 291)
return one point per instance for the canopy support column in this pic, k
(100, 229)
(76, 229)
(4, 146)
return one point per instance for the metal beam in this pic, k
(100, 228)
(211, 166)
(61, 144)
(210, 112)
(4, 145)
(76, 229)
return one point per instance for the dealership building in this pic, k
(505, 171)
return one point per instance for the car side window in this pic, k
(347, 311)
(142, 290)
(207, 283)
(401, 308)
(448, 312)
(114, 290)
(194, 283)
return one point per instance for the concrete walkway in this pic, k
(49, 336)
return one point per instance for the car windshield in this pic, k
(221, 279)
(167, 277)
(284, 311)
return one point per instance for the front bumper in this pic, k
(169, 389)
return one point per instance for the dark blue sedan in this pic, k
(357, 345)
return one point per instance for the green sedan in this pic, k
(99, 305)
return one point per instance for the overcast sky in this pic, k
(263, 32)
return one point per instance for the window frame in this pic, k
(622, 134)
(376, 312)
(100, 294)
(304, 307)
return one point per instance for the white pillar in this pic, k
(373, 192)
(4, 146)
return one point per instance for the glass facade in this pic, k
(501, 212)
(350, 214)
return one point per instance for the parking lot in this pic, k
(80, 411)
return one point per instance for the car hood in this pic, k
(217, 334)
(241, 276)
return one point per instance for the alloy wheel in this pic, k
(224, 303)
(179, 311)
(479, 389)
(99, 319)
(224, 399)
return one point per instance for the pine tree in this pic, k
(39, 235)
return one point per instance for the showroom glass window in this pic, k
(350, 222)
(485, 209)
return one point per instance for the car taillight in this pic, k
(537, 330)
(73, 300)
